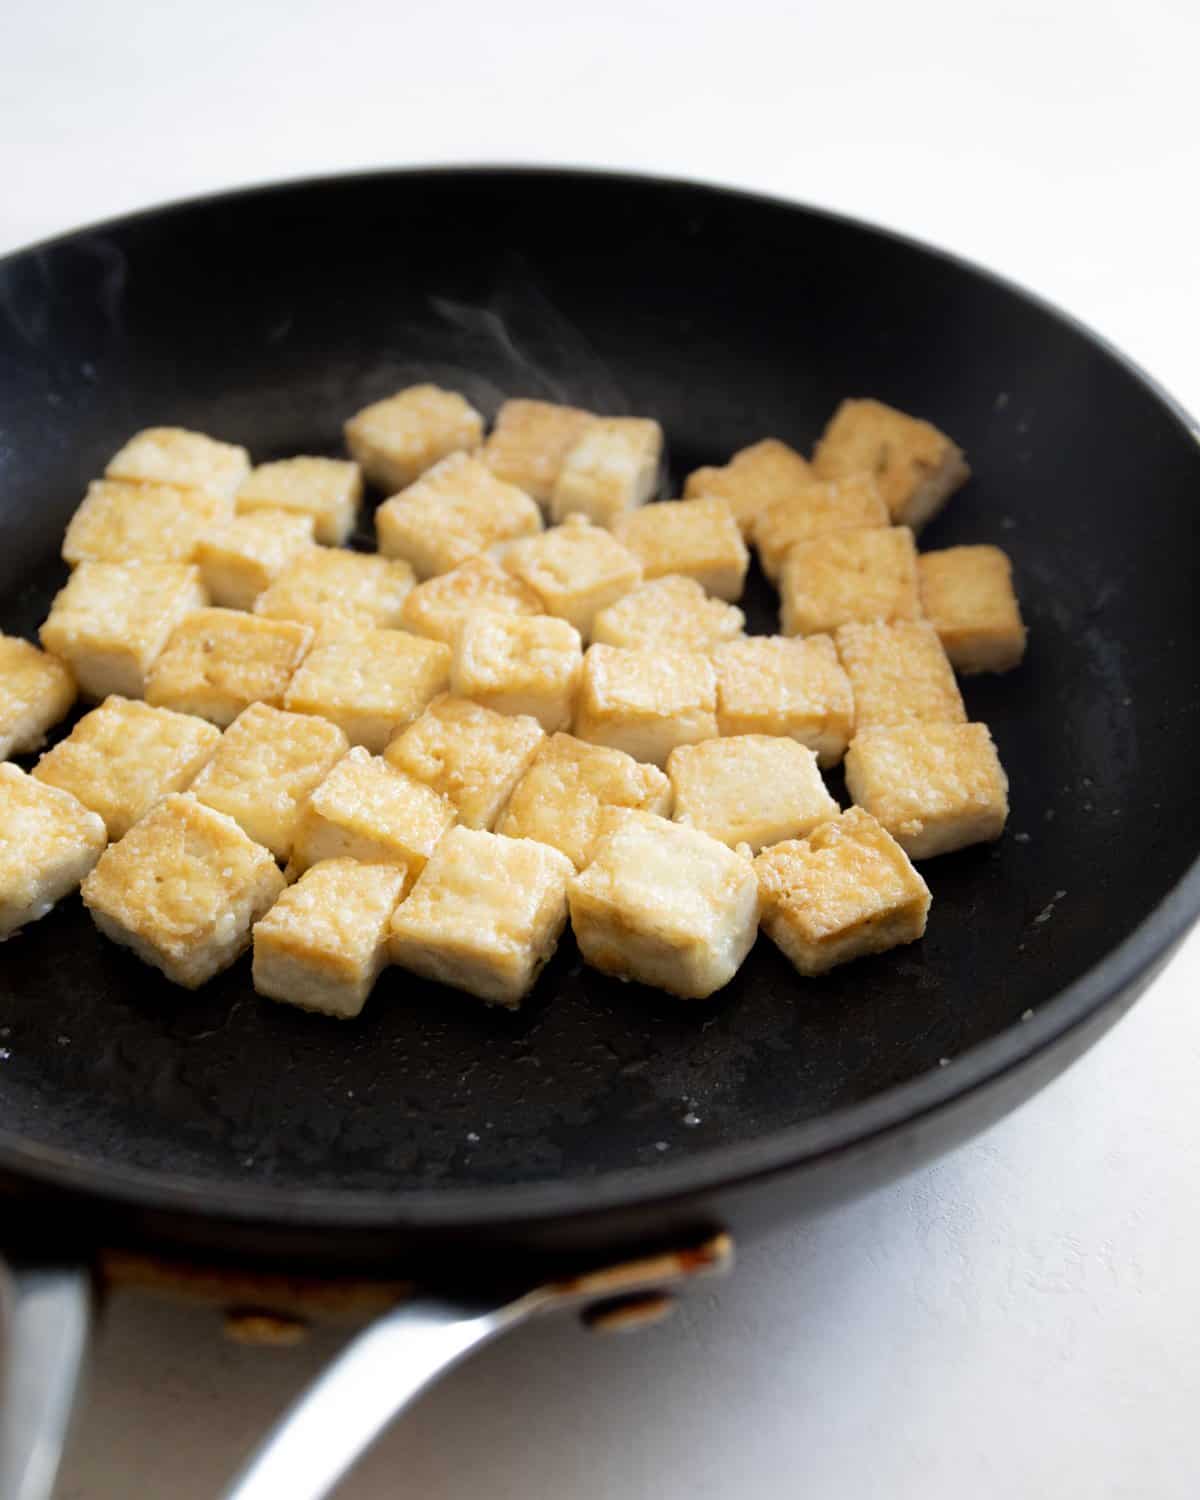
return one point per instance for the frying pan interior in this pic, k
(267, 318)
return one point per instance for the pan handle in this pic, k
(383, 1371)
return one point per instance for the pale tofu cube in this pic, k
(471, 755)
(238, 560)
(846, 891)
(324, 943)
(219, 661)
(934, 787)
(822, 506)
(370, 683)
(519, 664)
(612, 468)
(751, 789)
(456, 511)
(328, 492)
(860, 574)
(369, 811)
(336, 591)
(646, 702)
(900, 675)
(119, 521)
(123, 757)
(668, 611)
(575, 569)
(530, 442)
(172, 455)
(36, 690)
(753, 479)
(970, 601)
(485, 916)
(771, 684)
(562, 796)
(916, 467)
(665, 905)
(48, 843)
(397, 439)
(267, 763)
(698, 538)
(437, 607)
(110, 621)
(182, 889)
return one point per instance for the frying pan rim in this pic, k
(829, 1135)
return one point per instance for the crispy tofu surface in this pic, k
(646, 702)
(916, 467)
(120, 521)
(36, 691)
(219, 661)
(698, 538)
(437, 607)
(969, 598)
(328, 492)
(173, 455)
(397, 439)
(613, 467)
(519, 664)
(334, 590)
(900, 675)
(530, 442)
(751, 789)
(858, 574)
(48, 842)
(575, 569)
(668, 611)
(784, 685)
(764, 474)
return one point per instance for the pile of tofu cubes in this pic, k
(536, 700)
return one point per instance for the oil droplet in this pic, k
(691, 1118)
(472, 1138)
(661, 1146)
(5, 1054)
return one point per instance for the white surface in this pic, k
(1019, 1320)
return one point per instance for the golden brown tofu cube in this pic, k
(969, 597)
(614, 467)
(172, 455)
(530, 442)
(845, 891)
(698, 538)
(397, 439)
(519, 664)
(916, 467)
(646, 702)
(328, 492)
(123, 757)
(471, 755)
(182, 889)
(339, 592)
(575, 569)
(119, 521)
(437, 607)
(900, 675)
(264, 768)
(324, 943)
(370, 683)
(48, 843)
(36, 690)
(562, 796)
(110, 621)
(668, 611)
(771, 684)
(218, 661)
(764, 474)
(751, 789)
(861, 574)
(240, 559)
(821, 506)
(934, 787)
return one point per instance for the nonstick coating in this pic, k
(267, 318)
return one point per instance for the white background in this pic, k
(1024, 1318)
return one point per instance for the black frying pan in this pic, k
(437, 1134)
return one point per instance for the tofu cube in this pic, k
(327, 492)
(934, 787)
(369, 811)
(821, 506)
(900, 675)
(664, 905)
(219, 661)
(182, 889)
(324, 943)
(646, 702)
(456, 511)
(123, 757)
(110, 621)
(36, 690)
(485, 916)
(751, 789)
(397, 439)
(336, 591)
(48, 843)
(698, 538)
(860, 574)
(613, 467)
(668, 611)
(916, 467)
(844, 892)
(519, 664)
(471, 755)
(238, 560)
(437, 607)
(969, 598)
(754, 478)
(530, 442)
(172, 455)
(267, 763)
(575, 569)
(561, 798)
(771, 684)
(119, 521)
